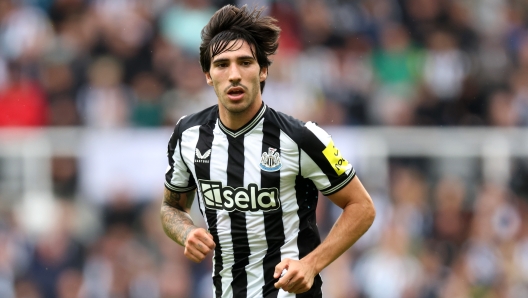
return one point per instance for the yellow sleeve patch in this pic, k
(333, 155)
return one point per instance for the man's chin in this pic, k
(236, 107)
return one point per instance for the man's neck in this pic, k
(235, 121)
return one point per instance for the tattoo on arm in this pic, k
(176, 222)
(172, 199)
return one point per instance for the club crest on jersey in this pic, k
(270, 161)
(202, 158)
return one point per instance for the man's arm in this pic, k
(175, 217)
(178, 225)
(358, 215)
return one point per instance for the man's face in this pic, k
(236, 76)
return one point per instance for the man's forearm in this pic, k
(176, 223)
(349, 227)
(175, 219)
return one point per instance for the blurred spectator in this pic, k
(343, 86)
(446, 66)
(69, 284)
(402, 273)
(55, 252)
(283, 90)
(461, 26)
(287, 17)
(64, 177)
(57, 78)
(409, 195)
(397, 71)
(105, 102)
(316, 23)
(190, 91)
(501, 110)
(520, 91)
(121, 210)
(451, 220)
(22, 102)
(63, 112)
(59, 82)
(25, 34)
(423, 16)
(26, 288)
(182, 22)
(125, 31)
(147, 111)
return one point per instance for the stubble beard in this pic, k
(241, 107)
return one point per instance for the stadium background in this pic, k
(427, 98)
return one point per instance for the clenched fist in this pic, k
(198, 244)
(298, 277)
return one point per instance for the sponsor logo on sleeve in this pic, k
(243, 199)
(333, 155)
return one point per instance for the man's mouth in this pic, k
(235, 93)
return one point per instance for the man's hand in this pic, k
(198, 243)
(298, 278)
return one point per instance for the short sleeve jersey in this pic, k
(257, 189)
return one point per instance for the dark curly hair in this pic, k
(231, 23)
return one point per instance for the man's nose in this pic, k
(234, 73)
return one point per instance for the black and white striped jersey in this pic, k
(257, 190)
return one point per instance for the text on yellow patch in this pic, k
(333, 155)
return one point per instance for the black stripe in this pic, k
(203, 171)
(308, 238)
(241, 251)
(171, 147)
(174, 142)
(314, 148)
(273, 224)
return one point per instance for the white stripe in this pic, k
(284, 294)
(254, 220)
(289, 171)
(320, 133)
(228, 257)
(290, 219)
(180, 176)
(309, 169)
(218, 172)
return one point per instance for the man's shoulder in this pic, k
(283, 120)
(290, 125)
(196, 119)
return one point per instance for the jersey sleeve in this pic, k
(322, 162)
(178, 178)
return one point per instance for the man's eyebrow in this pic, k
(246, 57)
(220, 60)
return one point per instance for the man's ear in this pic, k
(208, 79)
(263, 74)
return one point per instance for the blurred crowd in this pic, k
(109, 64)
(117, 63)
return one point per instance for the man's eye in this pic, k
(246, 63)
(222, 65)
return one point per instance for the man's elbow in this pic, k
(369, 211)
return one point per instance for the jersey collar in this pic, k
(247, 127)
